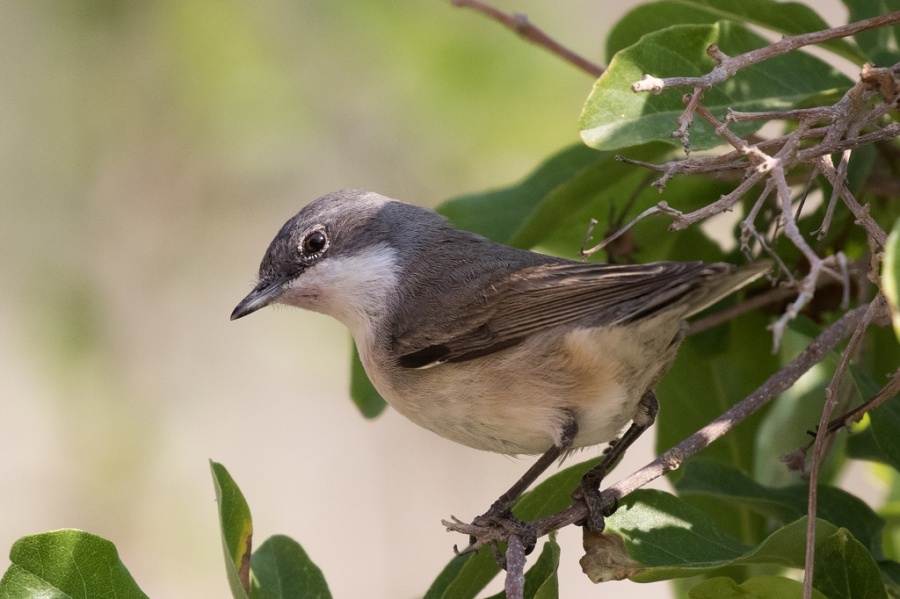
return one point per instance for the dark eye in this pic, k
(314, 243)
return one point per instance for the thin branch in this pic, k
(520, 24)
(835, 192)
(822, 433)
(748, 229)
(727, 201)
(684, 121)
(817, 265)
(891, 389)
(727, 66)
(860, 212)
(660, 208)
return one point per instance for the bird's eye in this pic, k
(314, 242)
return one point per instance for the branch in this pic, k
(822, 433)
(727, 66)
(855, 415)
(522, 26)
(515, 568)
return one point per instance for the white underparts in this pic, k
(354, 289)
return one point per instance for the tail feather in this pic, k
(721, 285)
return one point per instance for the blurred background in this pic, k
(149, 151)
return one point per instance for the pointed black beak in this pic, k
(266, 292)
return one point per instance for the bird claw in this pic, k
(589, 492)
(499, 524)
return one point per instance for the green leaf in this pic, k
(450, 572)
(880, 44)
(885, 422)
(362, 391)
(615, 117)
(788, 18)
(708, 377)
(794, 412)
(476, 572)
(670, 539)
(758, 587)
(237, 530)
(591, 193)
(844, 569)
(890, 275)
(66, 564)
(862, 446)
(613, 193)
(786, 504)
(498, 214)
(282, 570)
(541, 580)
(878, 441)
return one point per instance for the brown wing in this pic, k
(540, 297)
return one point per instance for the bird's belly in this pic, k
(517, 401)
(519, 417)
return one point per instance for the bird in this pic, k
(497, 348)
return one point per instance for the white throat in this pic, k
(354, 289)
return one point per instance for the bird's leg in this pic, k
(500, 513)
(589, 489)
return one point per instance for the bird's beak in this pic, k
(265, 292)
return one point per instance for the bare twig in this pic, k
(684, 122)
(522, 26)
(835, 192)
(860, 212)
(822, 433)
(891, 389)
(792, 231)
(726, 67)
(660, 208)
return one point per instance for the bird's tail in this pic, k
(721, 283)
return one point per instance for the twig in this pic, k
(726, 202)
(822, 433)
(820, 347)
(522, 26)
(860, 212)
(835, 192)
(748, 229)
(727, 66)
(515, 568)
(884, 79)
(660, 208)
(887, 392)
(684, 121)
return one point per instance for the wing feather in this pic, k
(540, 297)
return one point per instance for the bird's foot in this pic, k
(589, 492)
(498, 524)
